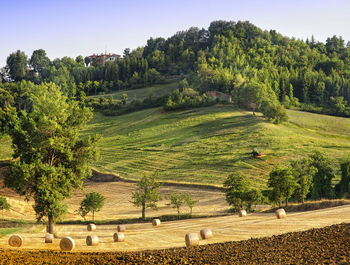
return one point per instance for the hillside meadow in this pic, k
(157, 90)
(205, 145)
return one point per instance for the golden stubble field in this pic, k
(171, 234)
(143, 236)
(118, 203)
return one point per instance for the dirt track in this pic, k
(328, 245)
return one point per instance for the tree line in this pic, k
(236, 58)
(311, 177)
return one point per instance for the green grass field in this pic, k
(142, 93)
(205, 145)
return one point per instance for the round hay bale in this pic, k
(280, 213)
(49, 238)
(91, 227)
(92, 240)
(15, 241)
(242, 213)
(206, 233)
(155, 222)
(67, 243)
(121, 228)
(118, 237)
(192, 239)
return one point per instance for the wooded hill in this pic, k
(235, 58)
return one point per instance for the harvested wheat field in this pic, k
(329, 245)
(142, 236)
(118, 202)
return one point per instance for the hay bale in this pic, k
(118, 237)
(242, 213)
(155, 222)
(92, 240)
(121, 228)
(206, 233)
(91, 227)
(67, 243)
(49, 238)
(280, 213)
(15, 241)
(192, 239)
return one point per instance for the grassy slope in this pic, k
(5, 148)
(142, 93)
(206, 145)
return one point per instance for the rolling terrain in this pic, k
(205, 145)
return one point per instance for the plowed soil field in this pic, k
(329, 245)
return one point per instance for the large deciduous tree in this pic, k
(39, 60)
(147, 194)
(17, 65)
(303, 173)
(177, 200)
(51, 159)
(342, 188)
(93, 202)
(283, 184)
(322, 180)
(239, 194)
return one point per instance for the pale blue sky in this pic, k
(82, 27)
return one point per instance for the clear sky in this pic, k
(83, 27)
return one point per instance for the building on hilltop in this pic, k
(216, 94)
(103, 58)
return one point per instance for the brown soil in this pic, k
(329, 245)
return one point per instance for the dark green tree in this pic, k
(322, 180)
(236, 186)
(303, 173)
(189, 201)
(87, 61)
(124, 98)
(4, 205)
(342, 188)
(147, 194)
(17, 65)
(51, 159)
(283, 184)
(93, 202)
(39, 60)
(177, 200)
(253, 197)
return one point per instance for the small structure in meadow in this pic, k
(219, 95)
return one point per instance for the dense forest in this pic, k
(259, 69)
